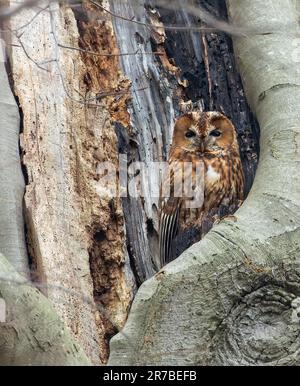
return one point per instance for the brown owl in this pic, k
(204, 156)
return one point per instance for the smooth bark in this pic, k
(12, 239)
(33, 333)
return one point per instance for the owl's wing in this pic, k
(168, 228)
(170, 205)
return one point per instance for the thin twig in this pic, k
(100, 54)
(149, 25)
(222, 25)
(8, 12)
(28, 23)
(199, 12)
(28, 56)
(83, 100)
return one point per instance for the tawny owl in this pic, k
(205, 153)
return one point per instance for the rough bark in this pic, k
(75, 237)
(233, 298)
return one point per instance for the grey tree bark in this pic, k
(233, 298)
(33, 333)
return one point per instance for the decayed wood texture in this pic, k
(233, 298)
(30, 330)
(192, 68)
(71, 229)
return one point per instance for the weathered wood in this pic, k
(30, 330)
(193, 68)
(76, 243)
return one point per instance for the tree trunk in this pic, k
(93, 81)
(31, 333)
(75, 239)
(232, 299)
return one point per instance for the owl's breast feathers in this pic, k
(221, 180)
(224, 180)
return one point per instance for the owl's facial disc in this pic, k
(205, 132)
(191, 138)
(220, 135)
(212, 139)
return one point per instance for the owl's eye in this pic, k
(190, 134)
(215, 133)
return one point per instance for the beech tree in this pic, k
(86, 81)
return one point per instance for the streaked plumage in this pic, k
(208, 142)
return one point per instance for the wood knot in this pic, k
(263, 329)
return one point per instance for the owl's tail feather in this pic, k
(167, 231)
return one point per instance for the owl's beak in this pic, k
(202, 146)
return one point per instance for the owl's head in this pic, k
(204, 132)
